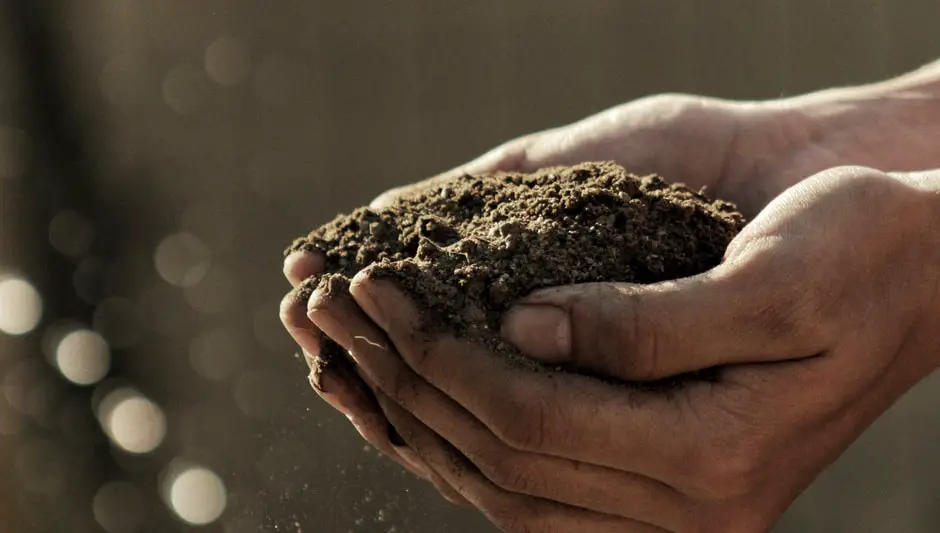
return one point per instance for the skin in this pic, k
(820, 316)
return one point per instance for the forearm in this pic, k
(892, 125)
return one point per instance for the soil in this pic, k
(467, 250)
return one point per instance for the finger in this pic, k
(347, 396)
(337, 383)
(533, 408)
(293, 314)
(338, 387)
(732, 314)
(510, 512)
(357, 397)
(575, 483)
(301, 264)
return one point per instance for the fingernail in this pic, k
(367, 301)
(331, 327)
(332, 399)
(301, 262)
(395, 438)
(540, 331)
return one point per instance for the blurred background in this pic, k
(157, 155)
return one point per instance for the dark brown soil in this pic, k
(466, 251)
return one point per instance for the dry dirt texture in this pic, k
(466, 251)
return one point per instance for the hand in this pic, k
(723, 144)
(821, 315)
(744, 152)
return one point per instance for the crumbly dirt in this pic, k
(467, 250)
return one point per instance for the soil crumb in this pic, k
(467, 249)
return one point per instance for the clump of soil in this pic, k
(468, 249)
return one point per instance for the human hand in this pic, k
(821, 315)
(742, 151)
(736, 150)
(644, 135)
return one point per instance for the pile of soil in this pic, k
(468, 249)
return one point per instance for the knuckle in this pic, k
(788, 311)
(735, 515)
(515, 155)
(645, 362)
(510, 472)
(512, 517)
(645, 337)
(613, 336)
(521, 424)
(291, 311)
(732, 476)
(399, 386)
(419, 351)
(728, 472)
(857, 176)
(799, 314)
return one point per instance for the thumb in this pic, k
(649, 332)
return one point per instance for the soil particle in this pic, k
(467, 250)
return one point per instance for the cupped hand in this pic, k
(821, 315)
(743, 152)
(688, 138)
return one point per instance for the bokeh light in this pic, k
(26, 387)
(42, 466)
(217, 354)
(182, 259)
(20, 306)
(119, 507)
(83, 357)
(11, 421)
(227, 61)
(213, 222)
(197, 495)
(132, 421)
(70, 233)
(185, 89)
(121, 81)
(268, 330)
(119, 321)
(256, 395)
(217, 291)
(52, 334)
(279, 80)
(88, 279)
